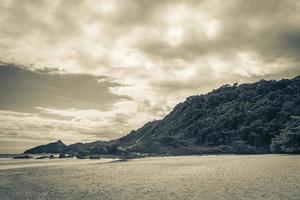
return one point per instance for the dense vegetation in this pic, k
(232, 119)
(246, 118)
(289, 138)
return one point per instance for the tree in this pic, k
(289, 139)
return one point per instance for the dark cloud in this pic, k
(22, 89)
(21, 19)
(268, 28)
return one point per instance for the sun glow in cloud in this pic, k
(175, 18)
(105, 7)
(174, 35)
(187, 73)
(217, 65)
(211, 28)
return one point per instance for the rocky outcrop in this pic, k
(54, 147)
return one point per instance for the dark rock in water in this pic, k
(80, 157)
(54, 147)
(22, 157)
(62, 155)
(42, 157)
(94, 156)
(52, 157)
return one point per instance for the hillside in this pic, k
(248, 118)
(231, 119)
(54, 147)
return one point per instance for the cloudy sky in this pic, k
(85, 70)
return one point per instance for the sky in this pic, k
(86, 70)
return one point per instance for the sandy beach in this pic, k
(187, 177)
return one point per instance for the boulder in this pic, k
(62, 155)
(42, 157)
(22, 157)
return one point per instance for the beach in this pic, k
(183, 177)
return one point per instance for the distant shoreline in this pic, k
(123, 158)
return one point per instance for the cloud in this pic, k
(28, 126)
(72, 125)
(22, 89)
(149, 55)
(117, 121)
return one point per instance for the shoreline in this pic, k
(272, 176)
(9, 163)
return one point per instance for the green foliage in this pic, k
(289, 139)
(98, 150)
(252, 114)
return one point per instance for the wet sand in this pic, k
(187, 177)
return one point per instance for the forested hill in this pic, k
(245, 118)
(261, 117)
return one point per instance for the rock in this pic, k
(69, 156)
(94, 156)
(22, 157)
(42, 157)
(62, 155)
(80, 157)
